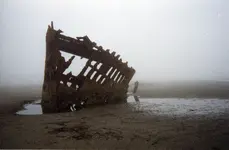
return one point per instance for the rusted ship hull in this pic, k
(105, 81)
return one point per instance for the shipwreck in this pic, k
(105, 81)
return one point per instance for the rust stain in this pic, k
(106, 82)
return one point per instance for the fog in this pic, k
(162, 39)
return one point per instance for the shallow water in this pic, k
(180, 106)
(31, 109)
(159, 106)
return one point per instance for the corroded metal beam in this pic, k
(106, 82)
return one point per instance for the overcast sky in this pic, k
(161, 39)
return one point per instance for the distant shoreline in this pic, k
(184, 89)
(13, 97)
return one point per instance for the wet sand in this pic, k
(148, 124)
(13, 98)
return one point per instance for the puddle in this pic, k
(33, 108)
(180, 106)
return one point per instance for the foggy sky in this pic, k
(161, 39)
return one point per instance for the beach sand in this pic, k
(119, 126)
